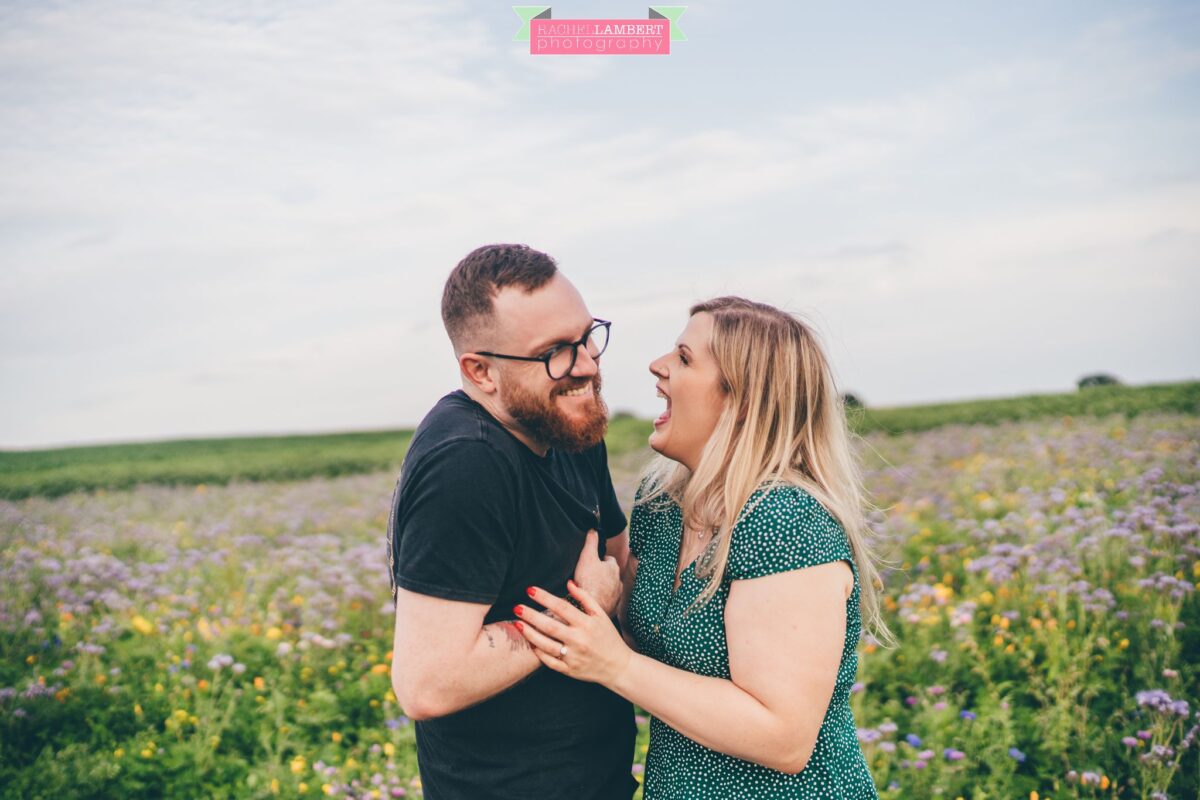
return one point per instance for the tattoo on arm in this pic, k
(515, 640)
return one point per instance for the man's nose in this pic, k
(585, 365)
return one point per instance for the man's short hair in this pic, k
(467, 299)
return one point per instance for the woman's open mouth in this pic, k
(666, 415)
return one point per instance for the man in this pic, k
(506, 486)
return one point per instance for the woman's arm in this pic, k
(785, 632)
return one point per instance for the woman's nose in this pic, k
(656, 368)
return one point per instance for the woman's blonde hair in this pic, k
(783, 423)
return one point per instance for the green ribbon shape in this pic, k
(672, 13)
(527, 13)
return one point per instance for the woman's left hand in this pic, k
(594, 649)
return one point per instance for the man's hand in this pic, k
(602, 579)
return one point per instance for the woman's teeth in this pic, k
(666, 415)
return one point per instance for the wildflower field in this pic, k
(234, 641)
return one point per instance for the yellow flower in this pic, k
(142, 625)
(1104, 782)
(1123, 644)
(274, 633)
(337, 737)
(389, 749)
(274, 785)
(298, 764)
(119, 752)
(259, 683)
(1033, 795)
(303, 787)
(380, 669)
(137, 709)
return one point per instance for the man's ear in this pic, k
(477, 370)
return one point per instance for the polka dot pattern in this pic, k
(787, 529)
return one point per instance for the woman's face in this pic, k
(689, 380)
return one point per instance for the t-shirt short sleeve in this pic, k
(453, 531)
(788, 529)
(612, 518)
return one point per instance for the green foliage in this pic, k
(51, 473)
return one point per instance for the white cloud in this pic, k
(222, 219)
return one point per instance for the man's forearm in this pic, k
(499, 658)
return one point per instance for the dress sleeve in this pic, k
(454, 523)
(787, 529)
(638, 518)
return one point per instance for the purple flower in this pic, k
(953, 755)
(1017, 754)
(1129, 741)
(913, 739)
(967, 714)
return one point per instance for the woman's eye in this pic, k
(683, 358)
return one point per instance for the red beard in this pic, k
(544, 422)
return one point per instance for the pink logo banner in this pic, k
(629, 37)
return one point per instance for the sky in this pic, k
(231, 218)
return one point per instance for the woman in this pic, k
(742, 593)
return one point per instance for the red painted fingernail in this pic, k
(529, 591)
(520, 625)
(517, 610)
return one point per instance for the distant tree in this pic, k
(850, 400)
(1098, 379)
(623, 414)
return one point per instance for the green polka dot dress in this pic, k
(787, 530)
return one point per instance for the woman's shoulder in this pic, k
(783, 527)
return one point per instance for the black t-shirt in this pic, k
(478, 516)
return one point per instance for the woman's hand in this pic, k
(595, 650)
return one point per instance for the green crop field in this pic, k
(284, 458)
(195, 631)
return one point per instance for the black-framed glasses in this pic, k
(560, 360)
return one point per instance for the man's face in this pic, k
(568, 414)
